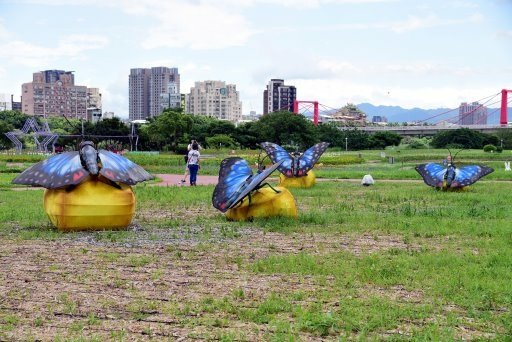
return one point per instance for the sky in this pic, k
(426, 54)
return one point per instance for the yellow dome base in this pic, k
(306, 181)
(265, 202)
(91, 205)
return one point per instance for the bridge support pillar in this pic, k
(503, 114)
(315, 109)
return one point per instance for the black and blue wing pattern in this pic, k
(278, 154)
(433, 174)
(309, 158)
(236, 181)
(294, 165)
(57, 171)
(120, 169)
(233, 174)
(468, 175)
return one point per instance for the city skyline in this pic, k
(386, 52)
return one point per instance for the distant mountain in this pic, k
(399, 114)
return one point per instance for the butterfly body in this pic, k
(72, 168)
(236, 181)
(295, 164)
(439, 176)
(89, 157)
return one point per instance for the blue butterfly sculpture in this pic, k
(72, 168)
(294, 164)
(449, 176)
(236, 181)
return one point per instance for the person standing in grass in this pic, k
(189, 148)
(193, 163)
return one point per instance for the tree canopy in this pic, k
(173, 129)
(285, 128)
(462, 138)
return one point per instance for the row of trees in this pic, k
(173, 129)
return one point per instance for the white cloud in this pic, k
(504, 34)
(415, 23)
(336, 93)
(337, 67)
(461, 4)
(196, 27)
(32, 55)
(3, 31)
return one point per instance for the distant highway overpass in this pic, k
(427, 130)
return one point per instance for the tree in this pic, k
(331, 133)
(220, 140)
(382, 139)
(286, 128)
(247, 135)
(14, 118)
(169, 127)
(200, 128)
(504, 136)
(462, 137)
(4, 141)
(355, 139)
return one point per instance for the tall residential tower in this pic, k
(278, 96)
(54, 93)
(472, 114)
(148, 89)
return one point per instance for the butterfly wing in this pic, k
(120, 169)
(254, 183)
(468, 175)
(309, 158)
(279, 155)
(432, 173)
(57, 171)
(233, 174)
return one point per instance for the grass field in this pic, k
(396, 261)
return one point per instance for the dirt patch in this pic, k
(13, 165)
(173, 288)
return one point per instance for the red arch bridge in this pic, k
(422, 128)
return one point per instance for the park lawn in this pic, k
(398, 260)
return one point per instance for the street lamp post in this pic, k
(346, 144)
(501, 143)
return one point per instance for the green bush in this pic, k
(489, 148)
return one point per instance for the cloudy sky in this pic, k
(429, 54)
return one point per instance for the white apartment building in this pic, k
(5, 102)
(216, 99)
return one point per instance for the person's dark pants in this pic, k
(192, 168)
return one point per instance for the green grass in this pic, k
(398, 260)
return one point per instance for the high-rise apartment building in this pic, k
(94, 98)
(147, 88)
(170, 99)
(278, 96)
(472, 114)
(216, 99)
(5, 102)
(54, 93)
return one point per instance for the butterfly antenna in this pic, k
(69, 122)
(275, 190)
(260, 161)
(453, 158)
